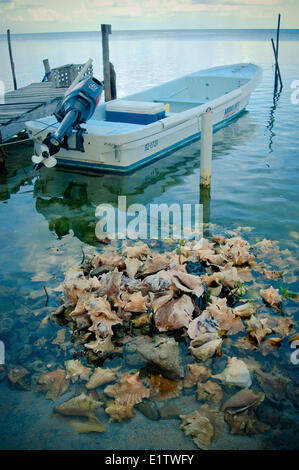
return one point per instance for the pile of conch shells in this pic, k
(179, 312)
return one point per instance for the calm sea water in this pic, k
(47, 217)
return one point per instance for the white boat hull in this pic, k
(133, 148)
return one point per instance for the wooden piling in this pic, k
(206, 148)
(106, 30)
(113, 82)
(47, 70)
(11, 60)
(276, 54)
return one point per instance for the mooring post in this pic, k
(106, 30)
(11, 60)
(276, 54)
(278, 69)
(113, 82)
(206, 148)
(47, 70)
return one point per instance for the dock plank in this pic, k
(33, 101)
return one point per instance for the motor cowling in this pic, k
(76, 108)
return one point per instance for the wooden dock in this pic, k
(32, 102)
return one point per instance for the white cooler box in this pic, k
(135, 112)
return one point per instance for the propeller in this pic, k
(44, 158)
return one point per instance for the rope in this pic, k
(28, 138)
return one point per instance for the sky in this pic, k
(25, 16)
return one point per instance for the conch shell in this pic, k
(108, 259)
(205, 346)
(196, 373)
(273, 384)
(136, 303)
(257, 328)
(271, 296)
(85, 426)
(81, 405)
(119, 412)
(243, 400)
(236, 373)
(228, 277)
(165, 389)
(245, 310)
(157, 263)
(133, 265)
(236, 250)
(209, 391)
(102, 347)
(163, 355)
(75, 283)
(129, 390)
(175, 314)
(18, 377)
(54, 383)
(100, 377)
(205, 425)
(76, 370)
(137, 251)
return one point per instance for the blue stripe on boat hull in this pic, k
(146, 160)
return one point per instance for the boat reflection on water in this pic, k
(68, 199)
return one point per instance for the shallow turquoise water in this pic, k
(47, 217)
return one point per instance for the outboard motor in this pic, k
(78, 105)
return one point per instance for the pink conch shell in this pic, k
(100, 377)
(237, 250)
(136, 303)
(271, 296)
(229, 277)
(175, 314)
(129, 390)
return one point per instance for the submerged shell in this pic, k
(165, 389)
(102, 347)
(257, 328)
(175, 314)
(205, 425)
(76, 370)
(243, 400)
(119, 412)
(85, 426)
(196, 373)
(163, 354)
(273, 384)
(209, 391)
(245, 423)
(236, 373)
(18, 377)
(129, 390)
(271, 296)
(100, 377)
(81, 405)
(205, 346)
(245, 310)
(53, 383)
